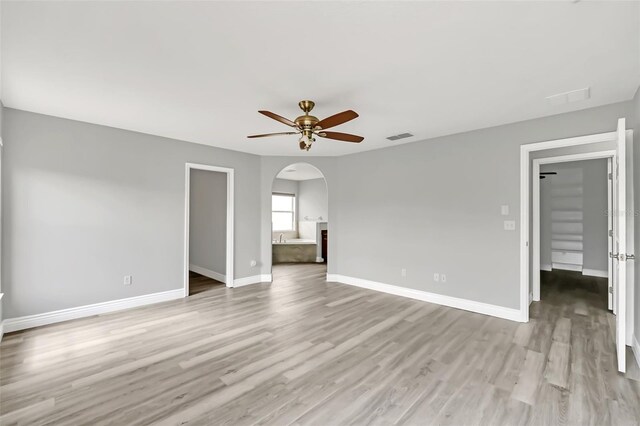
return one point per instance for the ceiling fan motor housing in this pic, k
(307, 123)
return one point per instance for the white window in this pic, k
(283, 212)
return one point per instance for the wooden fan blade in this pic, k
(334, 120)
(341, 136)
(272, 134)
(278, 118)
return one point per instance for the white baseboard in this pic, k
(585, 271)
(208, 273)
(453, 302)
(567, 267)
(256, 279)
(595, 273)
(30, 321)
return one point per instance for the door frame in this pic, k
(535, 243)
(229, 280)
(525, 195)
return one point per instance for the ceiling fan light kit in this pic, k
(308, 126)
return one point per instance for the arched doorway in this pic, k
(299, 221)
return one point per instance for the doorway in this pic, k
(618, 143)
(208, 243)
(574, 200)
(299, 221)
(572, 225)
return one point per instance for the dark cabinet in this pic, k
(324, 245)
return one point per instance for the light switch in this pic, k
(509, 225)
(504, 210)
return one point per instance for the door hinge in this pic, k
(611, 290)
(611, 232)
(622, 257)
(610, 176)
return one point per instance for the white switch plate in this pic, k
(127, 280)
(504, 210)
(403, 272)
(253, 263)
(509, 225)
(436, 277)
(443, 278)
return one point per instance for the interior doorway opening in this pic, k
(299, 220)
(208, 244)
(573, 200)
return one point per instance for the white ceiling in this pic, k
(300, 171)
(199, 71)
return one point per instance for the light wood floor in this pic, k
(199, 283)
(303, 351)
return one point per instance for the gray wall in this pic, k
(312, 200)
(103, 203)
(434, 205)
(594, 206)
(208, 220)
(285, 186)
(87, 204)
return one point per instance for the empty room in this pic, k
(319, 212)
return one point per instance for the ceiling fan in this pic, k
(308, 126)
(543, 175)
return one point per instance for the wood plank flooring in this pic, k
(306, 352)
(199, 283)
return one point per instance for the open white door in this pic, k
(620, 247)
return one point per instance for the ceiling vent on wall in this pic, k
(572, 96)
(400, 136)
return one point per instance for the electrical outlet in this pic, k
(127, 280)
(509, 225)
(403, 272)
(436, 277)
(443, 278)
